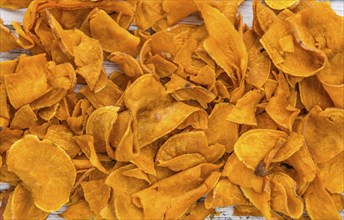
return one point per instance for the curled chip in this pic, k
(280, 5)
(99, 124)
(23, 206)
(253, 146)
(29, 82)
(155, 113)
(323, 133)
(186, 150)
(35, 161)
(160, 199)
(284, 197)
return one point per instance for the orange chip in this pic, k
(245, 109)
(96, 193)
(170, 190)
(239, 174)
(62, 136)
(99, 124)
(28, 83)
(46, 162)
(183, 90)
(254, 145)
(319, 204)
(78, 210)
(303, 62)
(163, 114)
(284, 198)
(113, 37)
(186, 150)
(322, 132)
(23, 206)
(224, 194)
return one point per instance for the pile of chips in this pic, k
(199, 116)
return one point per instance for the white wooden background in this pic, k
(246, 10)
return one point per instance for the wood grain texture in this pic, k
(246, 10)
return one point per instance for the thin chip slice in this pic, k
(111, 36)
(172, 196)
(254, 145)
(239, 174)
(332, 172)
(99, 124)
(48, 162)
(25, 117)
(182, 90)
(319, 204)
(224, 194)
(323, 133)
(23, 206)
(29, 83)
(245, 109)
(62, 136)
(155, 113)
(280, 5)
(190, 143)
(78, 210)
(219, 129)
(284, 198)
(97, 194)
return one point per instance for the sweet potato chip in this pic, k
(191, 147)
(163, 114)
(319, 204)
(260, 200)
(109, 95)
(145, 160)
(312, 93)
(245, 109)
(29, 83)
(123, 187)
(332, 172)
(293, 144)
(85, 143)
(99, 124)
(283, 195)
(280, 5)
(183, 90)
(122, 138)
(231, 57)
(62, 136)
(305, 168)
(176, 10)
(199, 211)
(89, 59)
(128, 63)
(23, 118)
(239, 174)
(263, 17)
(224, 194)
(172, 190)
(219, 129)
(313, 60)
(15, 4)
(279, 108)
(23, 206)
(52, 161)
(254, 145)
(78, 210)
(148, 13)
(113, 37)
(96, 193)
(323, 133)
